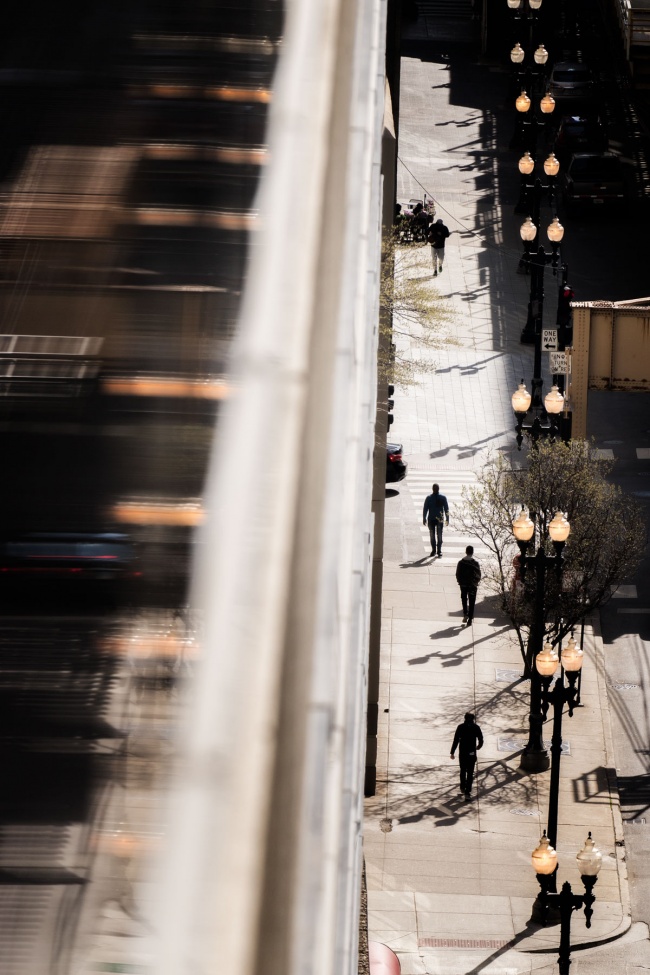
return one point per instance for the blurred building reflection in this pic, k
(190, 223)
(133, 143)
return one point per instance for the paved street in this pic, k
(450, 884)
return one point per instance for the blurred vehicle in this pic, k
(580, 133)
(395, 466)
(571, 82)
(53, 561)
(50, 376)
(594, 178)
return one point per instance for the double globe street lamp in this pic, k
(546, 663)
(525, 16)
(535, 756)
(529, 125)
(534, 72)
(544, 861)
(551, 417)
(531, 192)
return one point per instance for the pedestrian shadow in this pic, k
(456, 651)
(458, 368)
(448, 631)
(467, 449)
(391, 493)
(447, 807)
(416, 564)
(454, 658)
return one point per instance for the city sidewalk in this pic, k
(450, 883)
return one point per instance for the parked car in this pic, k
(571, 83)
(395, 466)
(595, 178)
(580, 133)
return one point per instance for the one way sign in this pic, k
(549, 339)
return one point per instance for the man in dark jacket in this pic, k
(468, 576)
(437, 236)
(435, 512)
(468, 739)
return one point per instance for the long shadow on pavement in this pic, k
(447, 807)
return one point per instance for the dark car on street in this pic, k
(579, 133)
(595, 179)
(395, 466)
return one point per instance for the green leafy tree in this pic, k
(414, 319)
(605, 546)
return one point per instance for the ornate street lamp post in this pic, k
(546, 664)
(535, 756)
(525, 14)
(531, 192)
(529, 125)
(536, 263)
(550, 417)
(529, 76)
(544, 860)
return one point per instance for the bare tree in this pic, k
(414, 318)
(606, 544)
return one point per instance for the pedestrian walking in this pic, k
(437, 236)
(468, 739)
(468, 576)
(435, 513)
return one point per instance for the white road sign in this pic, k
(560, 362)
(549, 339)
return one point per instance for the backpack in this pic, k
(437, 235)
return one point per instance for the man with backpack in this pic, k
(468, 576)
(437, 236)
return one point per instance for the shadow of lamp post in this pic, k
(535, 756)
(544, 860)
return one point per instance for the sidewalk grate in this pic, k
(505, 676)
(515, 744)
(490, 943)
